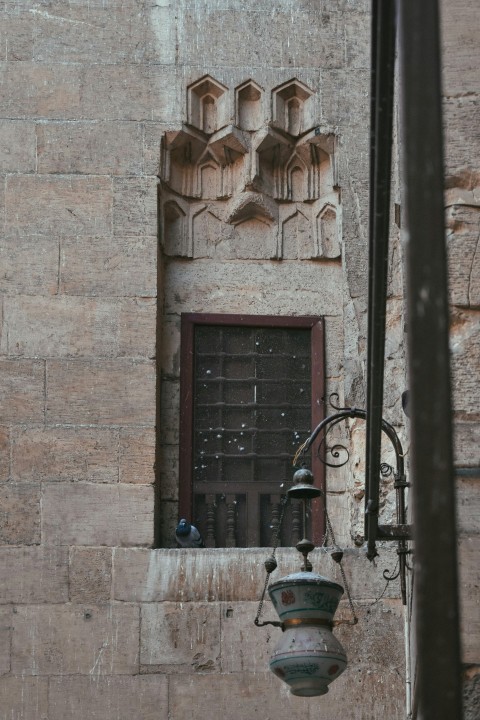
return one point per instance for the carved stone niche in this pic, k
(207, 105)
(249, 106)
(251, 190)
(292, 107)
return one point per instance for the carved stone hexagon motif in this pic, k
(255, 189)
(292, 107)
(249, 106)
(207, 104)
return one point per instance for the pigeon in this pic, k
(187, 535)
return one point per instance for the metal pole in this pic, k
(382, 122)
(436, 585)
(371, 210)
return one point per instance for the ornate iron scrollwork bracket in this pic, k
(400, 532)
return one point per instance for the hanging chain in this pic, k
(337, 556)
(270, 566)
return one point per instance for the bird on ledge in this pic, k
(188, 536)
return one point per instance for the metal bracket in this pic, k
(395, 532)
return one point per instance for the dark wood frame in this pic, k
(188, 323)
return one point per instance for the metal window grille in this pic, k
(251, 408)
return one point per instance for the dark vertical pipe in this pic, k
(378, 259)
(436, 584)
(373, 91)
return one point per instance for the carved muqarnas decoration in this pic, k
(254, 188)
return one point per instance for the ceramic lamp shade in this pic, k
(307, 656)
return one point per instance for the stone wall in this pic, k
(93, 622)
(461, 29)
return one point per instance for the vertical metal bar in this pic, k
(373, 100)
(378, 260)
(433, 497)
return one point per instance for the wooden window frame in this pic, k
(187, 368)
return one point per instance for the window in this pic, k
(251, 389)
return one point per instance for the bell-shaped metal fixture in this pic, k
(308, 656)
(304, 488)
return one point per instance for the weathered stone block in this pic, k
(365, 694)
(79, 327)
(16, 34)
(56, 454)
(4, 454)
(2, 208)
(334, 346)
(377, 640)
(464, 265)
(169, 412)
(465, 360)
(51, 205)
(471, 693)
(469, 582)
(256, 288)
(98, 266)
(96, 148)
(135, 206)
(169, 472)
(17, 146)
(355, 6)
(292, 32)
(109, 92)
(181, 634)
(338, 512)
(112, 698)
(167, 522)
(376, 696)
(110, 34)
(345, 108)
(164, 33)
(232, 695)
(365, 578)
(462, 140)
(246, 648)
(357, 34)
(234, 574)
(466, 444)
(459, 32)
(137, 456)
(90, 575)
(131, 92)
(22, 388)
(41, 575)
(153, 132)
(170, 346)
(85, 514)
(20, 514)
(72, 639)
(137, 328)
(468, 503)
(24, 698)
(5, 639)
(190, 576)
(116, 392)
(33, 90)
(337, 478)
(29, 264)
